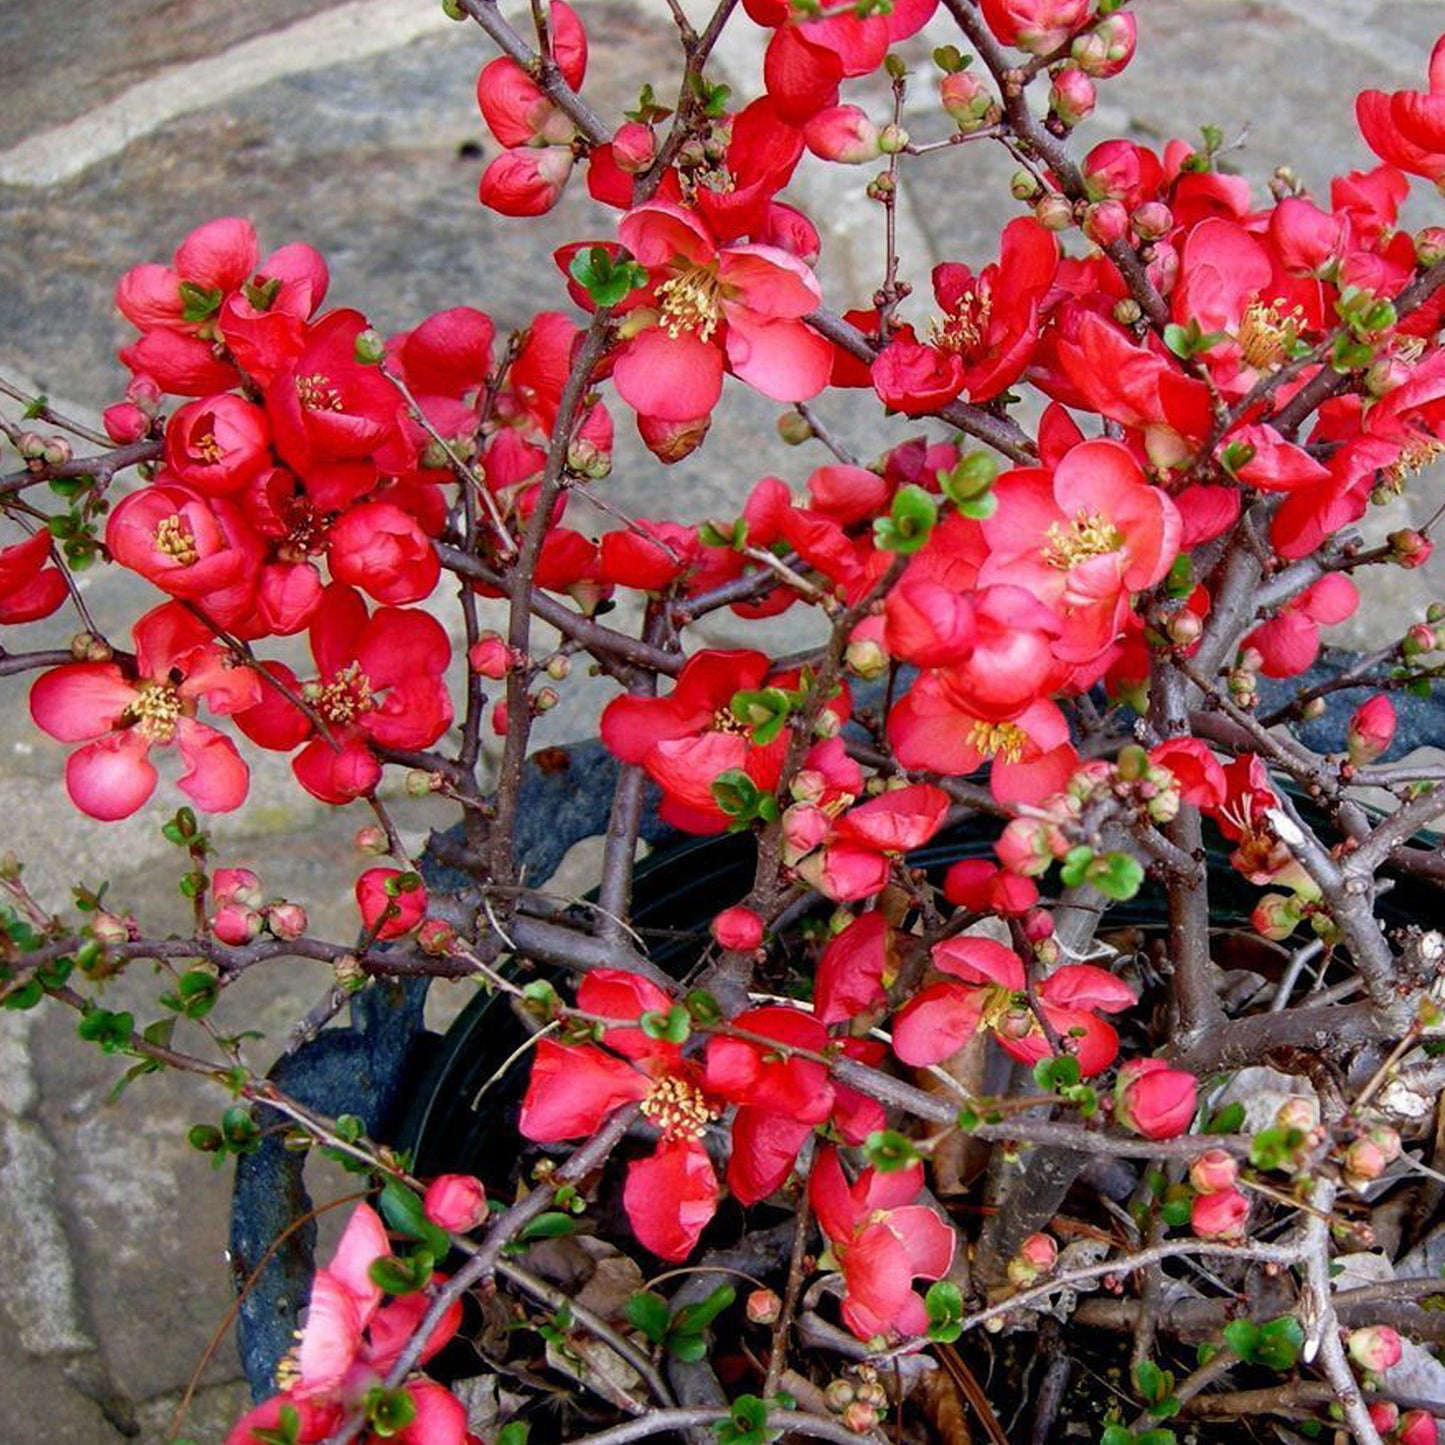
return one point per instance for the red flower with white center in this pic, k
(1032, 755)
(121, 713)
(192, 546)
(713, 306)
(381, 680)
(991, 321)
(671, 1194)
(1407, 129)
(941, 1019)
(882, 1242)
(1082, 540)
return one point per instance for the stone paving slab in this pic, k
(110, 1227)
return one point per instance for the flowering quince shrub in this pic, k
(1060, 1081)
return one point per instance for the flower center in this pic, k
(345, 698)
(208, 449)
(999, 740)
(317, 393)
(174, 538)
(677, 1108)
(305, 531)
(1267, 333)
(1090, 534)
(964, 327)
(156, 710)
(691, 301)
(725, 721)
(1006, 1012)
(1418, 453)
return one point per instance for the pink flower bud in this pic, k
(1151, 221)
(1297, 1113)
(108, 928)
(235, 923)
(489, 656)
(634, 147)
(1418, 1427)
(739, 929)
(1276, 916)
(1037, 1256)
(125, 422)
(1372, 730)
(967, 100)
(1377, 1348)
(235, 885)
(764, 1307)
(1108, 47)
(1430, 245)
(1410, 548)
(860, 1417)
(1029, 845)
(804, 828)
(1054, 212)
(436, 937)
(1072, 96)
(1154, 1100)
(526, 182)
(1384, 1416)
(1213, 1171)
(671, 441)
(843, 133)
(455, 1202)
(1363, 1161)
(1219, 1216)
(285, 920)
(372, 840)
(1106, 222)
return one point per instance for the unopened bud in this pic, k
(1072, 95)
(236, 924)
(1297, 1112)
(1126, 311)
(1418, 639)
(372, 841)
(794, 429)
(108, 928)
(1151, 220)
(1106, 222)
(892, 138)
(1410, 548)
(1220, 1216)
(1213, 1171)
(436, 937)
(1377, 1348)
(1025, 186)
(1185, 628)
(56, 452)
(839, 1394)
(1054, 212)
(489, 656)
(545, 699)
(349, 974)
(1430, 246)
(418, 783)
(285, 920)
(860, 1418)
(866, 659)
(968, 101)
(559, 666)
(764, 1307)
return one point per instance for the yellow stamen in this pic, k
(345, 698)
(156, 710)
(691, 301)
(1090, 534)
(965, 326)
(208, 448)
(1267, 333)
(999, 740)
(677, 1108)
(174, 538)
(317, 393)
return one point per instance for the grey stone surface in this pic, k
(110, 1227)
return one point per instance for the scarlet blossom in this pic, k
(915, 379)
(264, 321)
(30, 587)
(882, 1243)
(1154, 1100)
(351, 1338)
(687, 740)
(854, 969)
(455, 1202)
(191, 546)
(218, 444)
(119, 714)
(380, 548)
(392, 903)
(1082, 540)
(941, 1018)
(713, 305)
(671, 1194)
(648, 555)
(1031, 754)
(1407, 129)
(1289, 642)
(381, 680)
(1201, 779)
(525, 182)
(896, 821)
(983, 887)
(991, 321)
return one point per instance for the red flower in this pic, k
(390, 907)
(1154, 1100)
(882, 1243)
(1407, 129)
(121, 714)
(734, 305)
(30, 588)
(943, 1017)
(671, 1194)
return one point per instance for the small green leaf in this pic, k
(1242, 1336)
(402, 1208)
(889, 1151)
(944, 1306)
(1228, 1120)
(648, 1312)
(606, 281)
(515, 1432)
(1056, 1074)
(551, 1225)
(389, 1412)
(694, 1318)
(199, 302)
(672, 1027)
(909, 523)
(399, 1275)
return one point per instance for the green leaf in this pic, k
(515, 1432)
(648, 1312)
(690, 1349)
(402, 1208)
(765, 710)
(606, 281)
(703, 1007)
(199, 302)
(693, 1318)
(112, 1031)
(551, 1225)
(748, 1423)
(1151, 1383)
(1280, 1343)
(1228, 1120)
(400, 1275)
(389, 1412)
(1076, 865)
(909, 523)
(950, 60)
(944, 1306)
(1242, 1336)
(1056, 1074)
(672, 1027)
(25, 997)
(889, 1151)
(1119, 878)
(242, 1133)
(207, 1138)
